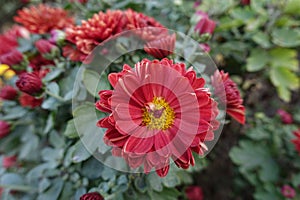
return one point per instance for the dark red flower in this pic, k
(162, 47)
(8, 93)
(9, 161)
(245, 2)
(288, 192)
(30, 83)
(226, 90)
(29, 101)
(194, 193)
(13, 57)
(204, 25)
(91, 196)
(4, 129)
(43, 18)
(45, 47)
(147, 28)
(285, 117)
(296, 141)
(154, 119)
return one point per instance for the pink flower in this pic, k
(158, 111)
(4, 129)
(9, 161)
(204, 25)
(29, 101)
(296, 141)
(30, 83)
(162, 47)
(14, 57)
(8, 93)
(45, 47)
(194, 193)
(205, 47)
(226, 90)
(285, 117)
(288, 192)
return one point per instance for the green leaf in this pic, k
(166, 194)
(286, 37)
(80, 153)
(262, 39)
(155, 182)
(94, 82)
(257, 60)
(56, 140)
(92, 168)
(140, 184)
(284, 93)
(242, 14)
(53, 74)
(283, 77)
(53, 88)
(71, 131)
(11, 179)
(292, 7)
(171, 180)
(286, 58)
(53, 192)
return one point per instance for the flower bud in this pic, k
(30, 101)
(8, 93)
(194, 193)
(11, 58)
(91, 196)
(4, 129)
(30, 83)
(9, 161)
(288, 192)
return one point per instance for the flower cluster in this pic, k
(153, 119)
(103, 26)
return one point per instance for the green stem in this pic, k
(54, 95)
(22, 188)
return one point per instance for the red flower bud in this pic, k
(29, 101)
(4, 129)
(44, 46)
(245, 2)
(194, 193)
(204, 25)
(91, 196)
(285, 117)
(11, 58)
(9, 161)
(8, 93)
(30, 83)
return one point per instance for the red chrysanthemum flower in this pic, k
(30, 83)
(9, 161)
(296, 141)
(27, 100)
(91, 196)
(42, 18)
(158, 110)
(14, 57)
(38, 61)
(226, 90)
(162, 47)
(8, 93)
(95, 30)
(194, 193)
(4, 129)
(150, 29)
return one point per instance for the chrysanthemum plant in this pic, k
(97, 106)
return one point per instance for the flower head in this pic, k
(4, 129)
(45, 47)
(38, 61)
(205, 24)
(158, 111)
(43, 18)
(9, 161)
(30, 83)
(8, 93)
(27, 100)
(162, 47)
(245, 2)
(285, 117)
(296, 141)
(14, 57)
(194, 193)
(91, 196)
(288, 192)
(228, 93)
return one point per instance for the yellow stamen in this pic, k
(158, 115)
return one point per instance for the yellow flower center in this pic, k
(158, 115)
